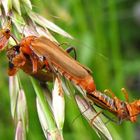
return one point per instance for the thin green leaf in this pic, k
(13, 90)
(27, 3)
(48, 24)
(41, 31)
(44, 104)
(67, 86)
(29, 30)
(88, 112)
(0, 10)
(58, 103)
(5, 5)
(18, 21)
(20, 134)
(22, 113)
(16, 5)
(16, 18)
(42, 118)
(9, 5)
(54, 133)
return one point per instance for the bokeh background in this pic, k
(107, 40)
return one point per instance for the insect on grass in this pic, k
(123, 110)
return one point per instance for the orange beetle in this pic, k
(57, 60)
(122, 109)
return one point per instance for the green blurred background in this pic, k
(107, 40)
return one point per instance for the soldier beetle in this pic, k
(57, 60)
(122, 109)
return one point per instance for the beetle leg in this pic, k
(47, 65)
(34, 60)
(109, 92)
(14, 38)
(19, 60)
(69, 49)
(98, 113)
(123, 90)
